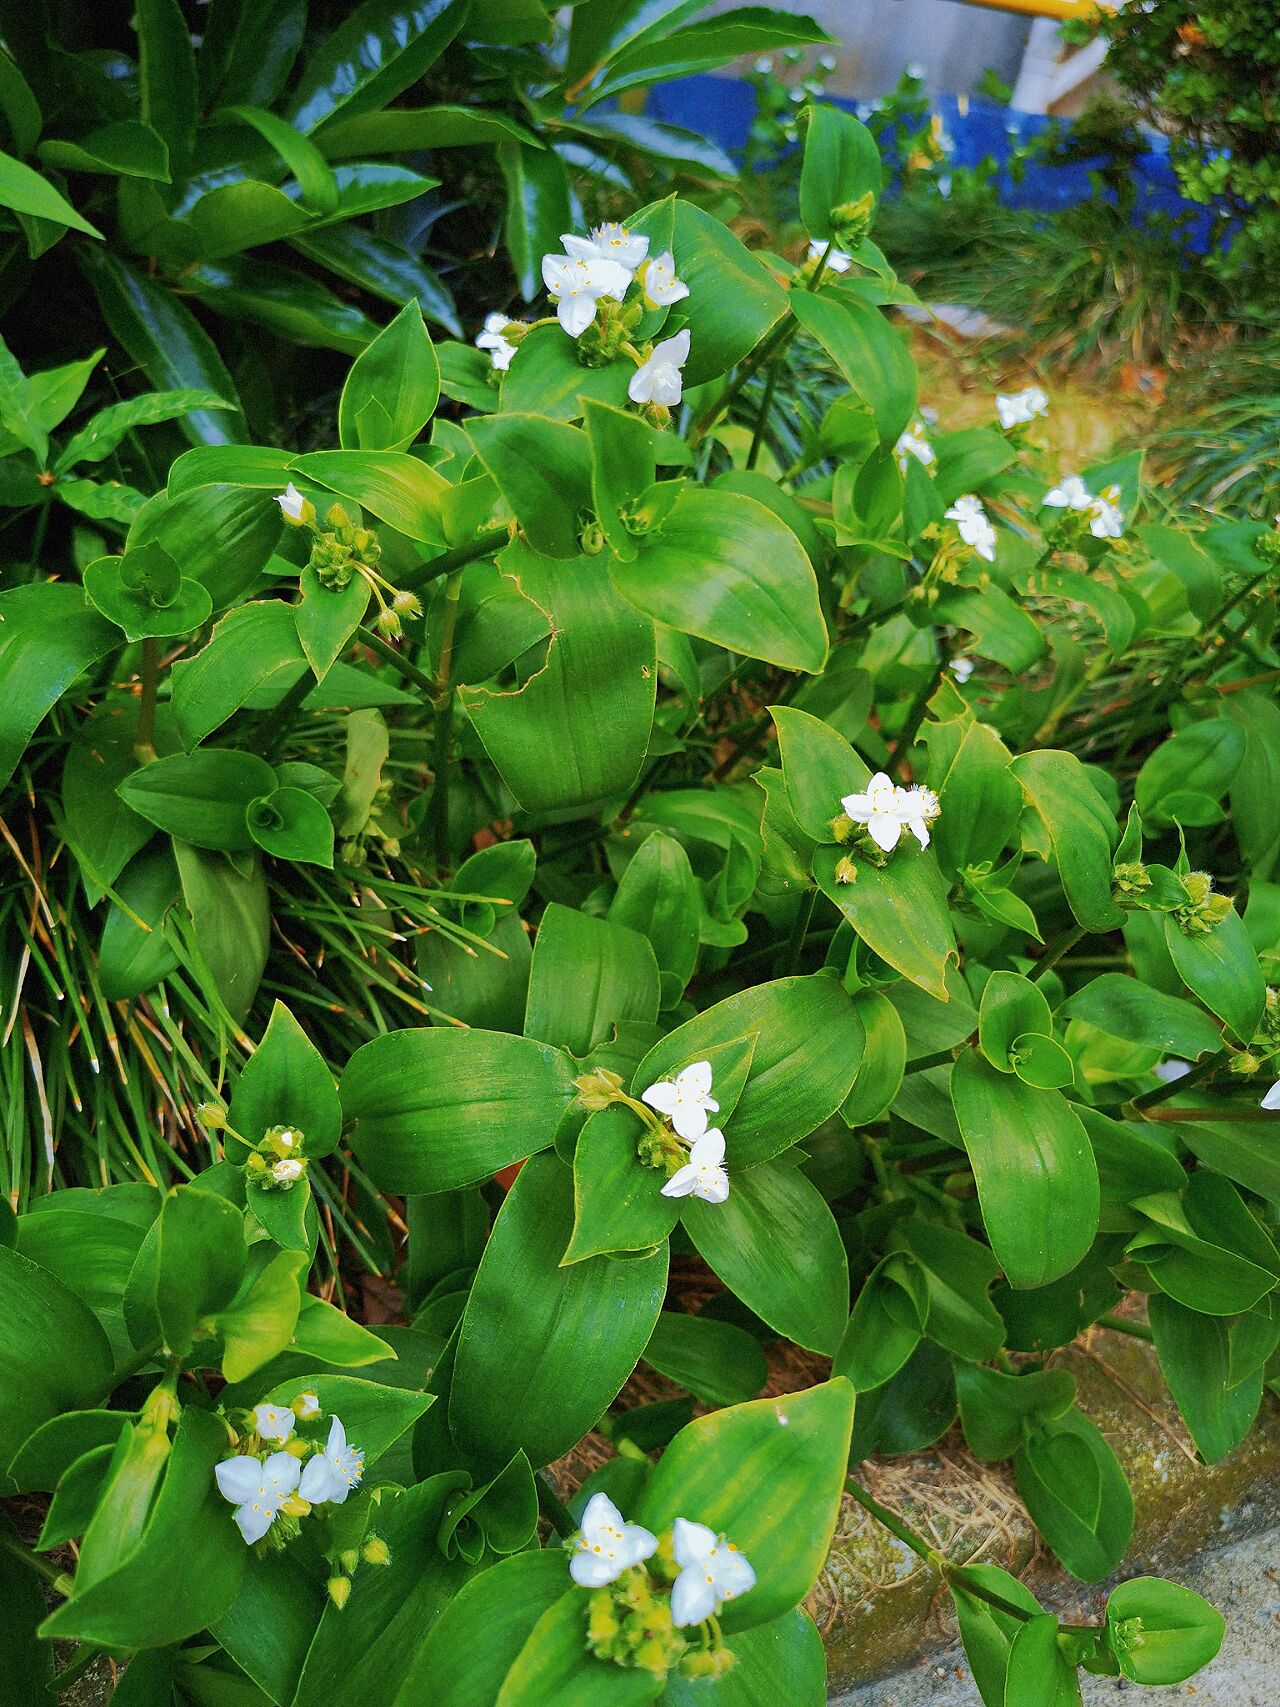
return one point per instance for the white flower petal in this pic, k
(734, 1576)
(695, 1080)
(682, 1182)
(579, 248)
(321, 1481)
(280, 1474)
(238, 1479)
(591, 1570)
(856, 806)
(691, 1543)
(663, 1096)
(575, 313)
(884, 830)
(713, 1185)
(274, 1422)
(1272, 1098)
(689, 1119)
(708, 1151)
(254, 1520)
(693, 1598)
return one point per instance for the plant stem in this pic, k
(144, 741)
(553, 1507)
(485, 545)
(1135, 1330)
(42, 1567)
(132, 1365)
(895, 1525)
(1054, 952)
(1202, 1070)
(411, 673)
(789, 959)
(443, 699)
(279, 721)
(915, 715)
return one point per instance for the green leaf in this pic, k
(544, 1350)
(618, 1201)
(292, 305)
(868, 352)
(254, 653)
(1011, 1006)
(329, 1336)
(19, 408)
(1161, 1633)
(576, 733)
(879, 1077)
(285, 1082)
(27, 192)
(1200, 759)
(435, 1109)
(999, 628)
(248, 51)
(398, 371)
(715, 1361)
(230, 923)
(405, 130)
(588, 975)
(703, 46)
(219, 536)
(841, 164)
(543, 470)
(260, 1324)
(199, 1261)
(1081, 831)
(1077, 1495)
(723, 567)
(986, 1632)
(292, 824)
(231, 218)
(327, 617)
(36, 1312)
(26, 1663)
(820, 768)
(49, 636)
(658, 896)
(546, 377)
(316, 182)
(1034, 1169)
(112, 586)
(1195, 1353)
(899, 910)
(385, 269)
(775, 1244)
(376, 52)
(1039, 1674)
(808, 1046)
(125, 149)
(132, 959)
(201, 796)
(555, 1664)
(1221, 968)
(167, 80)
(886, 1325)
(397, 488)
(538, 209)
(769, 1476)
(1126, 1007)
(995, 1409)
(1204, 1247)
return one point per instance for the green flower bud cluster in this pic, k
(1130, 878)
(851, 221)
(662, 1149)
(629, 1624)
(599, 1090)
(277, 1162)
(1267, 548)
(1203, 911)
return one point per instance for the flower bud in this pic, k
(851, 221)
(349, 1559)
(841, 827)
(339, 1591)
(296, 1506)
(337, 517)
(387, 623)
(599, 1090)
(846, 870)
(213, 1116)
(375, 1551)
(407, 604)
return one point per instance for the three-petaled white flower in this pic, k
(659, 379)
(712, 1571)
(295, 509)
(1106, 518)
(331, 1474)
(1072, 494)
(837, 260)
(659, 283)
(577, 285)
(257, 1490)
(1020, 407)
(918, 807)
(887, 810)
(704, 1174)
(607, 1544)
(974, 528)
(494, 339)
(914, 442)
(273, 1422)
(286, 1171)
(962, 669)
(1272, 1098)
(610, 242)
(686, 1100)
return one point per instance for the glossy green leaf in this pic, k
(291, 824)
(1196, 1362)
(554, 1664)
(1039, 1674)
(28, 192)
(315, 180)
(285, 1082)
(26, 1663)
(1077, 1495)
(1221, 968)
(230, 923)
(899, 910)
(1161, 1633)
(1081, 831)
(402, 130)
(718, 1363)
(658, 897)
(868, 352)
(392, 388)
(588, 975)
(259, 1324)
(886, 1325)
(34, 676)
(1126, 1007)
(201, 796)
(254, 652)
(543, 470)
(1204, 1248)
(377, 51)
(384, 268)
(841, 164)
(995, 1408)
(291, 304)
(879, 1075)
(618, 1201)
(546, 377)
(538, 209)
(820, 768)
(199, 1260)
(247, 51)
(397, 488)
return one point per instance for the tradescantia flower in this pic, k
(686, 1100)
(712, 1570)
(298, 511)
(974, 528)
(659, 379)
(837, 260)
(914, 442)
(1072, 494)
(273, 1422)
(962, 669)
(1021, 407)
(610, 242)
(704, 1174)
(331, 1474)
(659, 283)
(287, 1172)
(1106, 518)
(306, 1405)
(494, 339)
(257, 1490)
(606, 1545)
(878, 809)
(577, 285)
(918, 807)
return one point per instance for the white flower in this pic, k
(1073, 494)
(494, 339)
(837, 260)
(1021, 407)
(288, 1136)
(306, 1405)
(685, 1100)
(607, 1545)
(611, 242)
(1106, 518)
(703, 1175)
(712, 1571)
(918, 807)
(1170, 1071)
(878, 809)
(659, 282)
(256, 1490)
(764, 65)
(287, 1171)
(1272, 1098)
(296, 509)
(975, 530)
(914, 442)
(659, 380)
(273, 1422)
(331, 1474)
(577, 285)
(962, 669)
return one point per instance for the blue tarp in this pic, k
(723, 108)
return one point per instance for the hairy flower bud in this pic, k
(599, 1090)
(339, 1591)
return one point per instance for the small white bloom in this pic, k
(288, 1136)
(712, 1571)
(257, 1490)
(659, 380)
(837, 260)
(288, 1170)
(1020, 407)
(494, 339)
(306, 1405)
(878, 810)
(914, 442)
(577, 285)
(975, 530)
(295, 509)
(1073, 494)
(607, 1545)
(918, 808)
(764, 65)
(703, 1175)
(1169, 1071)
(685, 1100)
(611, 242)
(1272, 1098)
(962, 669)
(331, 1474)
(273, 1422)
(659, 282)
(1106, 518)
